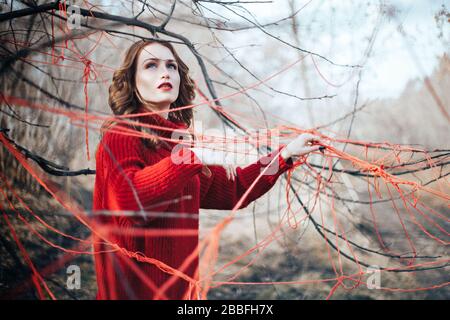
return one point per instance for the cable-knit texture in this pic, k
(132, 177)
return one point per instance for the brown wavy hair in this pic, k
(124, 97)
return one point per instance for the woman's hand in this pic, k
(215, 157)
(301, 145)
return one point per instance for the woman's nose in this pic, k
(165, 73)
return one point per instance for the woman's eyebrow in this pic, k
(170, 60)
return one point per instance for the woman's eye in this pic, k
(174, 66)
(150, 65)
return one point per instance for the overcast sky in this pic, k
(407, 45)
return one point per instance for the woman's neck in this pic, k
(163, 112)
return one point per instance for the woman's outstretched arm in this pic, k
(220, 192)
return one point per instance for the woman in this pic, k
(136, 174)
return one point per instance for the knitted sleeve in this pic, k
(130, 184)
(218, 192)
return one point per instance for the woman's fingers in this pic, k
(303, 144)
(312, 138)
(308, 149)
(231, 172)
(307, 136)
(206, 171)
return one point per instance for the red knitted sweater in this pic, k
(131, 176)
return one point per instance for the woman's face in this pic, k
(156, 65)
